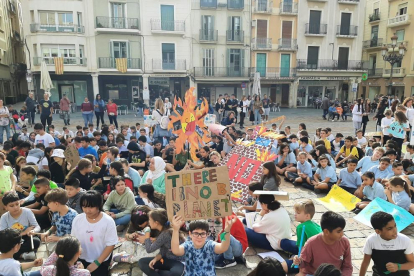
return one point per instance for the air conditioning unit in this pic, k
(222, 4)
(254, 23)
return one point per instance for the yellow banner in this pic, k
(121, 64)
(339, 200)
(58, 65)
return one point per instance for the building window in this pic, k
(167, 17)
(47, 18)
(313, 56)
(402, 9)
(65, 18)
(68, 52)
(168, 56)
(208, 62)
(81, 54)
(400, 34)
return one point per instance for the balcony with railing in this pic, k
(399, 20)
(346, 31)
(375, 72)
(37, 61)
(105, 23)
(43, 28)
(273, 72)
(288, 8)
(235, 4)
(348, 1)
(373, 43)
(287, 44)
(221, 72)
(110, 63)
(374, 17)
(396, 73)
(262, 43)
(235, 36)
(168, 65)
(208, 36)
(208, 4)
(165, 26)
(331, 65)
(316, 29)
(263, 6)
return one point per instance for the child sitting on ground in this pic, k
(331, 246)
(74, 194)
(368, 162)
(346, 152)
(251, 204)
(368, 191)
(382, 170)
(349, 179)
(270, 179)
(40, 208)
(22, 219)
(10, 245)
(304, 171)
(325, 176)
(398, 192)
(392, 252)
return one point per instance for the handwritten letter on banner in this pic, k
(198, 194)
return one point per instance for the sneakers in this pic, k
(317, 191)
(223, 263)
(240, 260)
(120, 228)
(29, 256)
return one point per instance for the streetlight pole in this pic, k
(393, 57)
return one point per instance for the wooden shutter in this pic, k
(287, 29)
(261, 28)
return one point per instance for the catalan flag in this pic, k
(121, 64)
(58, 65)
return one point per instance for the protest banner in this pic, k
(402, 217)
(372, 134)
(395, 129)
(198, 194)
(339, 200)
(72, 155)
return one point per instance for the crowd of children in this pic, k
(79, 210)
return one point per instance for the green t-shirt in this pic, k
(5, 181)
(311, 229)
(53, 185)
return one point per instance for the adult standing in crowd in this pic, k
(112, 110)
(244, 104)
(266, 106)
(234, 103)
(87, 112)
(31, 107)
(357, 113)
(408, 103)
(219, 108)
(365, 119)
(325, 107)
(99, 105)
(4, 122)
(64, 106)
(257, 106)
(251, 108)
(383, 104)
(167, 106)
(46, 110)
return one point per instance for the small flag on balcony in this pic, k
(58, 65)
(121, 64)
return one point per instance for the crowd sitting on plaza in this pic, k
(118, 189)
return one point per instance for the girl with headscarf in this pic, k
(155, 174)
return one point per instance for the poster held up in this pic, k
(72, 155)
(198, 194)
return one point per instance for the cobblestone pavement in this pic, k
(355, 231)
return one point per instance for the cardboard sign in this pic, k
(372, 134)
(402, 217)
(149, 121)
(198, 194)
(339, 200)
(396, 129)
(72, 155)
(209, 119)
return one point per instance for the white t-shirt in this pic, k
(337, 146)
(45, 139)
(94, 237)
(10, 267)
(384, 123)
(40, 165)
(331, 137)
(362, 141)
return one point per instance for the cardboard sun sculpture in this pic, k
(187, 122)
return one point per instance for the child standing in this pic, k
(328, 247)
(369, 190)
(402, 127)
(199, 254)
(398, 192)
(270, 179)
(325, 176)
(385, 123)
(392, 252)
(349, 179)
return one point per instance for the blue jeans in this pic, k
(32, 273)
(257, 117)
(235, 249)
(2, 129)
(325, 112)
(87, 118)
(257, 239)
(31, 116)
(122, 220)
(289, 246)
(140, 111)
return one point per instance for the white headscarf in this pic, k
(159, 165)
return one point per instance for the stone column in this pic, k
(145, 85)
(95, 84)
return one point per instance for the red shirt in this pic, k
(113, 108)
(237, 231)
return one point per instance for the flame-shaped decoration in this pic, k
(265, 155)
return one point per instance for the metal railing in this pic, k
(263, 6)
(208, 4)
(171, 26)
(374, 16)
(375, 42)
(36, 27)
(316, 29)
(235, 4)
(375, 72)
(287, 44)
(66, 61)
(231, 71)
(330, 64)
(349, 1)
(347, 30)
(117, 22)
(399, 19)
(161, 64)
(262, 43)
(208, 35)
(288, 8)
(273, 72)
(235, 36)
(110, 63)
(395, 71)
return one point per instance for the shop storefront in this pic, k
(212, 91)
(167, 86)
(121, 89)
(401, 87)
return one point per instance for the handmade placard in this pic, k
(198, 194)
(339, 200)
(72, 155)
(396, 129)
(149, 121)
(209, 119)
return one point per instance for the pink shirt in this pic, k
(49, 268)
(316, 252)
(64, 104)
